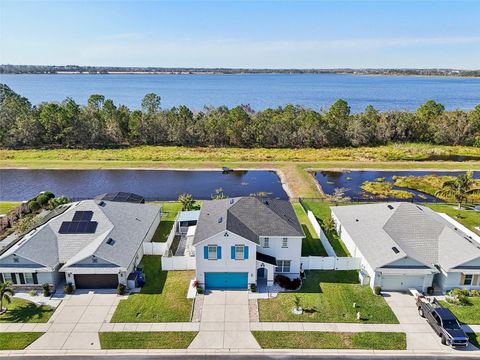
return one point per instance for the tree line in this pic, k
(101, 123)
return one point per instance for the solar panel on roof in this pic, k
(64, 227)
(83, 216)
(82, 226)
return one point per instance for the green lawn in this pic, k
(328, 296)
(146, 340)
(468, 218)
(321, 210)
(330, 340)
(17, 340)
(468, 314)
(6, 206)
(162, 299)
(20, 310)
(311, 245)
(170, 211)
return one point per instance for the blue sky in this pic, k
(272, 34)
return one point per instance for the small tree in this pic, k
(297, 302)
(34, 206)
(329, 224)
(42, 199)
(219, 194)
(187, 201)
(461, 187)
(6, 292)
(55, 202)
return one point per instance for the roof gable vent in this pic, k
(395, 250)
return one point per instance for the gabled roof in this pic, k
(249, 217)
(126, 223)
(414, 231)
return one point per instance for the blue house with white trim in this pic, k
(247, 240)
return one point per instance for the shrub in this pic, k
(46, 289)
(121, 289)
(430, 290)
(48, 194)
(474, 292)
(458, 297)
(32, 293)
(199, 290)
(34, 206)
(42, 199)
(253, 288)
(287, 283)
(377, 290)
(68, 289)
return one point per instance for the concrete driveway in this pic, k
(76, 322)
(225, 322)
(420, 335)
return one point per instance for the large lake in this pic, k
(19, 184)
(258, 90)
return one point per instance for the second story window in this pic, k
(239, 252)
(266, 242)
(212, 252)
(284, 243)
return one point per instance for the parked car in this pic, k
(442, 321)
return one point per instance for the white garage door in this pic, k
(402, 282)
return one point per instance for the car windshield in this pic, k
(450, 325)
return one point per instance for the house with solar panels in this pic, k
(90, 244)
(246, 240)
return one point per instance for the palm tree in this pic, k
(6, 292)
(461, 187)
(187, 201)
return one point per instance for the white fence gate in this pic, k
(154, 248)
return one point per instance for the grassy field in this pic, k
(321, 210)
(146, 340)
(17, 340)
(23, 311)
(292, 164)
(468, 218)
(169, 212)
(328, 296)
(162, 299)
(311, 245)
(330, 340)
(468, 314)
(6, 206)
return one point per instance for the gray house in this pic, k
(404, 245)
(90, 244)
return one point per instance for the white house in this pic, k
(90, 244)
(241, 240)
(404, 245)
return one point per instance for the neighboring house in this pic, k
(241, 240)
(404, 245)
(90, 244)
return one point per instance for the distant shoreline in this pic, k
(113, 70)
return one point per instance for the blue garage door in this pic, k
(226, 280)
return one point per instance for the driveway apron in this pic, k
(225, 322)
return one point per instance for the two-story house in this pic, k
(240, 241)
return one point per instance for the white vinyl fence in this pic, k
(321, 235)
(178, 263)
(330, 263)
(154, 248)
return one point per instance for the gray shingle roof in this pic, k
(416, 231)
(126, 223)
(249, 217)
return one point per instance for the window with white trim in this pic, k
(212, 252)
(239, 252)
(7, 277)
(284, 243)
(467, 280)
(283, 266)
(29, 278)
(266, 242)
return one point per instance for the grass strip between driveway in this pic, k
(466, 314)
(331, 340)
(17, 340)
(146, 340)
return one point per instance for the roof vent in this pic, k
(265, 202)
(390, 207)
(232, 201)
(110, 241)
(395, 250)
(357, 220)
(101, 203)
(220, 219)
